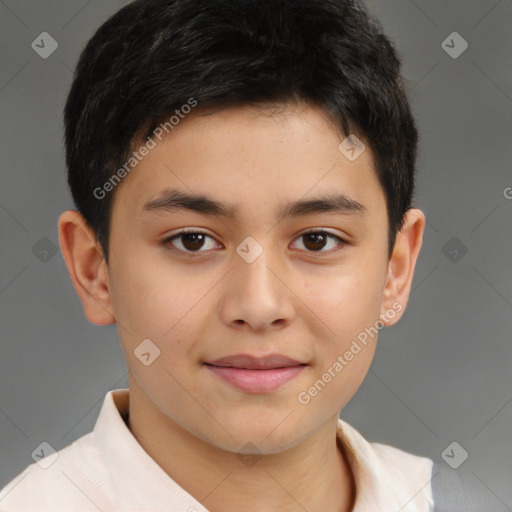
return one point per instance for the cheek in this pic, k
(350, 307)
(160, 302)
(161, 307)
(347, 302)
(148, 297)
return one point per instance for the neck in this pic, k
(314, 475)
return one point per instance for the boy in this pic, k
(243, 173)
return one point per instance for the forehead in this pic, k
(243, 161)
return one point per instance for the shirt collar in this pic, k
(139, 478)
(386, 478)
(134, 474)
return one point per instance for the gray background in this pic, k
(443, 374)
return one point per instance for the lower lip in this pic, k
(256, 381)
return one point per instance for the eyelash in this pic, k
(170, 239)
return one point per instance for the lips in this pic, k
(255, 363)
(256, 374)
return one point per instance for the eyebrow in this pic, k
(171, 200)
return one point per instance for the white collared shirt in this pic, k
(108, 470)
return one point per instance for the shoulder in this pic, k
(403, 465)
(413, 482)
(64, 480)
(453, 493)
(447, 491)
(387, 476)
(410, 473)
(377, 457)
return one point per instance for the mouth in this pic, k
(256, 374)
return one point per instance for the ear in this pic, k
(86, 266)
(401, 267)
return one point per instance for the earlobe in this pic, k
(86, 266)
(401, 267)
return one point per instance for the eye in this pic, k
(188, 241)
(191, 241)
(317, 240)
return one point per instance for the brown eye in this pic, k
(189, 241)
(193, 241)
(315, 241)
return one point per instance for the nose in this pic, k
(258, 295)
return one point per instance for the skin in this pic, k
(305, 303)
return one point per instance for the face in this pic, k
(253, 276)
